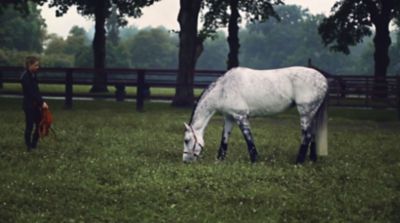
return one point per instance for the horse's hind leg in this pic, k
(305, 141)
(308, 124)
(244, 125)
(228, 125)
(306, 136)
(313, 147)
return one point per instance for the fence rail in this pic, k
(142, 79)
(344, 90)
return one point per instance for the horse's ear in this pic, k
(187, 126)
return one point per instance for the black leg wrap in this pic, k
(250, 145)
(302, 154)
(245, 128)
(222, 151)
(253, 154)
(313, 152)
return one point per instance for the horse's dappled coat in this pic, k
(242, 93)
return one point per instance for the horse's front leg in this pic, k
(228, 125)
(244, 125)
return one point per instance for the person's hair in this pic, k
(29, 60)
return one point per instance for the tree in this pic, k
(101, 10)
(55, 45)
(152, 48)
(191, 42)
(352, 20)
(227, 12)
(76, 46)
(22, 6)
(188, 21)
(394, 52)
(76, 40)
(113, 26)
(214, 50)
(20, 31)
(289, 42)
(117, 55)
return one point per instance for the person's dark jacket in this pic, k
(32, 98)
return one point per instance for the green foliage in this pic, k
(117, 56)
(14, 58)
(152, 48)
(214, 55)
(20, 31)
(57, 60)
(148, 48)
(87, 7)
(112, 164)
(352, 20)
(22, 6)
(217, 13)
(394, 67)
(288, 42)
(75, 50)
(55, 44)
(128, 32)
(347, 26)
(76, 40)
(269, 44)
(113, 26)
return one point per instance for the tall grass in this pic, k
(110, 163)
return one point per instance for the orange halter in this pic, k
(45, 122)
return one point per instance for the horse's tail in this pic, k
(321, 131)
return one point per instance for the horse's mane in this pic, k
(202, 95)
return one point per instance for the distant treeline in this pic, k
(291, 41)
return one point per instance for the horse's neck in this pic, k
(202, 115)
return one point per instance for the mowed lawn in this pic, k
(109, 163)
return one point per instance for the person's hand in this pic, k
(45, 105)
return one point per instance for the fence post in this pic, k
(68, 89)
(309, 63)
(140, 90)
(120, 92)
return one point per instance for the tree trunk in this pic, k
(233, 32)
(99, 48)
(187, 18)
(381, 55)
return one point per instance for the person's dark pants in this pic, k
(32, 119)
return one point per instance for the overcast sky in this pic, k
(162, 13)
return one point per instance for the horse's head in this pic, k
(193, 144)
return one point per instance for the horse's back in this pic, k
(268, 91)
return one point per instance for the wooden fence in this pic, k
(142, 79)
(344, 90)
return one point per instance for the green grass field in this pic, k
(110, 163)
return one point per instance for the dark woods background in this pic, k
(263, 45)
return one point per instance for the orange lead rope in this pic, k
(45, 122)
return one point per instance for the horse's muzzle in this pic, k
(188, 157)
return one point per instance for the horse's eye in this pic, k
(187, 141)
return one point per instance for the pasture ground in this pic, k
(110, 163)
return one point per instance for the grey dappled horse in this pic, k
(242, 93)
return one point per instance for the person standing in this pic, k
(32, 102)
